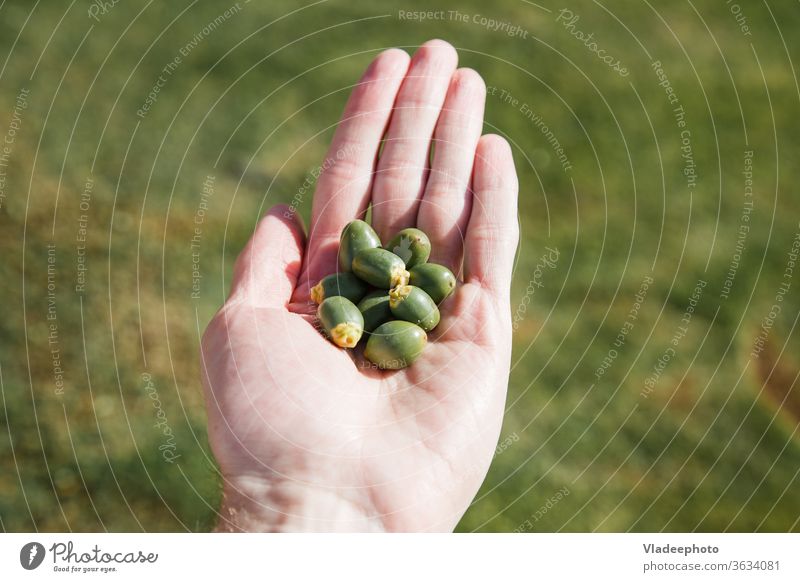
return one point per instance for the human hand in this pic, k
(308, 436)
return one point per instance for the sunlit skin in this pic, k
(312, 437)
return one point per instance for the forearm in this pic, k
(252, 505)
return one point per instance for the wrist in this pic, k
(252, 504)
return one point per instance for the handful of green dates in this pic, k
(389, 294)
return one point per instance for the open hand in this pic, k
(310, 437)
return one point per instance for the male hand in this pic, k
(310, 437)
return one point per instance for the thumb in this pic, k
(266, 271)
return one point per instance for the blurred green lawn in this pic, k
(713, 446)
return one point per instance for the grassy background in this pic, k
(714, 446)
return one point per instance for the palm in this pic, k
(406, 449)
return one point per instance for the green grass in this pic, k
(713, 447)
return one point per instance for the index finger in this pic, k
(342, 191)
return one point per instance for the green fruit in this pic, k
(343, 284)
(375, 309)
(356, 237)
(412, 245)
(341, 320)
(380, 268)
(413, 304)
(395, 345)
(436, 280)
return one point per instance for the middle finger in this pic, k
(402, 167)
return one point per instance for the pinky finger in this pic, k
(493, 230)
